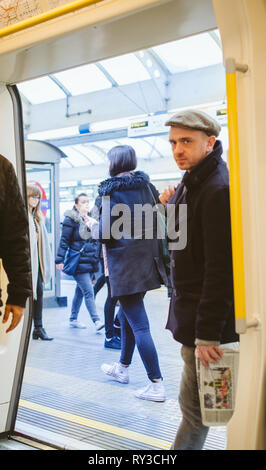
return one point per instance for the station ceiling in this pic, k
(158, 64)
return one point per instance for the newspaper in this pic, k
(217, 386)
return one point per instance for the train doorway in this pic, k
(65, 399)
(243, 34)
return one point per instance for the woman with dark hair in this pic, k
(41, 259)
(132, 263)
(75, 235)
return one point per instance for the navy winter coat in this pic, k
(202, 304)
(75, 235)
(134, 265)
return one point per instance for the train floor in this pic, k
(67, 401)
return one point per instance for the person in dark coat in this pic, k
(14, 245)
(75, 235)
(133, 265)
(201, 312)
(111, 322)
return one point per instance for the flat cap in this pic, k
(197, 120)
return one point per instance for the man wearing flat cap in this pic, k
(201, 312)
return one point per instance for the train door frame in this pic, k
(241, 30)
(8, 416)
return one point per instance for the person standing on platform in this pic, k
(75, 235)
(201, 312)
(112, 326)
(14, 245)
(41, 259)
(132, 267)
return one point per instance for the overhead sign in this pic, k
(137, 125)
(221, 112)
(221, 116)
(151, 125)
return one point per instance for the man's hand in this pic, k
(209, 354)
(17, 314)
(166, 195)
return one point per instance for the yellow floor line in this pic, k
(90, 423)
(31, 443)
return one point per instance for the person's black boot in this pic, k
(112, 343)
(40, 332)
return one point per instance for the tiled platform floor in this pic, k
(65, 375)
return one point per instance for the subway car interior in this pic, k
(76, 79)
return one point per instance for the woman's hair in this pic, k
(34, 191)
(80, 195)
(122, 158)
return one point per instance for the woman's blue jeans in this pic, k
(84, 289)
(135, 329)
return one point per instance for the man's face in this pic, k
(189, 146)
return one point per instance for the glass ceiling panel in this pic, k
(143, 148)
(41, 90)
(190, 53)
(84, 79)
(64, 163)
(106, 145)
(126, 69)
(96, 154)
(161, 146)
(75, 157)
(91, 153)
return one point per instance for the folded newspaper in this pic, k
(217, 386)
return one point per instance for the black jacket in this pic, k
(75, 235)
(133, 263)
(14, 240)
(202, 304)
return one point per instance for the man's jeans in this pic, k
(84, 289)
(191, 434)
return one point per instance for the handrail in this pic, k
(235, 196)
(46, 16)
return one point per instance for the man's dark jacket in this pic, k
(202, 304)
(14, 240)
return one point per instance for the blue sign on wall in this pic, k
(45, 204)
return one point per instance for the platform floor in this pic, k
(66, 399)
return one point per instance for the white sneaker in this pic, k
(154, 391)
(99, 325)
(76, 324)
(116, 371)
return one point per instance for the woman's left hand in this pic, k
(90, 221)
(60, 266)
